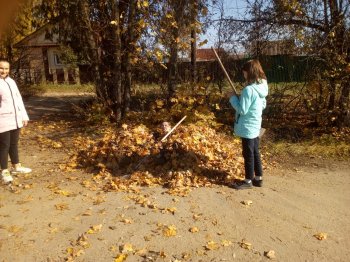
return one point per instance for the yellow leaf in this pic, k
(112, 248)
(70, 251)
(194, 229)
(245, 244)
(247, 202)
(53, 230)
(142, 23)
(14, 229)
(90, 231)
(139, 141)
(196, 216)
(56, 145)
(174, 100)
(160, 103)
(169, 231)
(203, 43)
(321, 236)
(163, 255)
(211, 245)
(121, 258)
(80, 252)
(127, 248)
(62, 206)
(94, 229)
(127, 221)
(97, 227)
(270, 254)
(62, 192)
(171, 210)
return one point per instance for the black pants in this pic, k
(251, 155)
(9, 146)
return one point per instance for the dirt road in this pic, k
(55, 215)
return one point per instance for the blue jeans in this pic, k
(252, 160)
(9, 146)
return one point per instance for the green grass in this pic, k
(51, 88)
(67, 88)
(325, 146)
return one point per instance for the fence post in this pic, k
(54, 76)
(77, 75)
(43, 76)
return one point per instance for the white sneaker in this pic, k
(19, 169)
(6, 176)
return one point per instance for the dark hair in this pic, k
(254, 71)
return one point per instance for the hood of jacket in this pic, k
(261, 88)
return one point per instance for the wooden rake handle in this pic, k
(223, 69)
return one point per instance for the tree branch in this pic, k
(276, 21)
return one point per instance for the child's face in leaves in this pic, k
(166, 127)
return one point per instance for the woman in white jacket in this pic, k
(13, 116)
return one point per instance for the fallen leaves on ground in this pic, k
(169, 231)
(247, 202)
(126, 248)
(14, 229)
(193, 156)
(321, 236)
(120, 257)
(194, 229)
(245, 244)
(211, 245)
(270, 254)
(94, 229)
(62, 206)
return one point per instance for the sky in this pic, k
(232, 8)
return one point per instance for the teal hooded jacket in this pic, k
(249, 107)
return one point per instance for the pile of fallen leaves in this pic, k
(200, 152)
(192, 156)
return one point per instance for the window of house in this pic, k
(57, 59)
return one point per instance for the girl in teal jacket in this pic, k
(249, 107)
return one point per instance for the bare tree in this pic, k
(320, 29)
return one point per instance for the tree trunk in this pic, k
(172, 69)
(172, 66)
(116, 88)
(92, 47)
(332, 90)
(128, 50)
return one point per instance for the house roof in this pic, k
(38, 38)
(206, 54)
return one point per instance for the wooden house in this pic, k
(40, 59)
